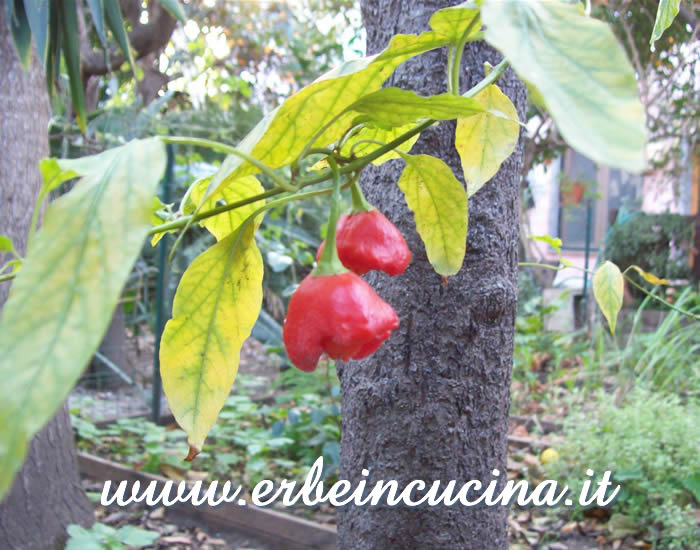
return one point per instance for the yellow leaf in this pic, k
(608, 286)
(439, 204)
(650, 277)
(454, 21)
(485, 140)
(232, 191)
(215, 308)
(281, 136)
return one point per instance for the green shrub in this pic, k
(658, 243)
(650, 445)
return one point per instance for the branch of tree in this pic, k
(144, 38)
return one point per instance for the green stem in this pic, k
(363, 141)
(457, 58)
(359, 202)
(7, 277)
(186, 197)
(347, 135)
(216, 146)
(546, 266)
(185, 220)
(493, 76)
(321, 151)
(330, 263)
(450, 64)
(661, 300)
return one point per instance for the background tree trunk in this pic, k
(46, 495)
(432, 403)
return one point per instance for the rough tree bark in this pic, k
(46, 495)
(432, 403)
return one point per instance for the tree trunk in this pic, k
(432, 403)
(46, 495)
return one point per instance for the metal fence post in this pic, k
(161, 285)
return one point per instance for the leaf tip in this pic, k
(193, 452)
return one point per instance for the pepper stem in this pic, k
(359, 202)
(330, 264)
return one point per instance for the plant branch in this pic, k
(216, 146)
(144, 39)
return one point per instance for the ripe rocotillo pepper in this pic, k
(367, 240)
(339, 314)
(334, 310)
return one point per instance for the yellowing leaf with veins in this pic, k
(581, 71)
(608, 286)
(64, 296)
(216, 305)
(282, 135)
(485, 140)
(439, 204)
(238, 190)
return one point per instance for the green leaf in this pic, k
(175, 9)
(20, 30)
(554, 242)
(241, 189)
(53, 175)
(113, 18)
(665, 14)
(82, 539)
(485, 140)
(281, 136)
(649, 277)
(135, 536)
(53, 48)
(215, 308)
(582, 72)
(6, 244)
(97, 11)
(392, 107)
(71, 54)
(63, 297)
(156, 206)
(439, 204)
(453, 22)
(608, 286)
(37, 12)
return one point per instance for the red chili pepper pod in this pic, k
(368, 241)
(340, 315)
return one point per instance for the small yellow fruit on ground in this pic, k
(549, 455)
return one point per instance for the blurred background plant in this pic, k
(649, 441)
